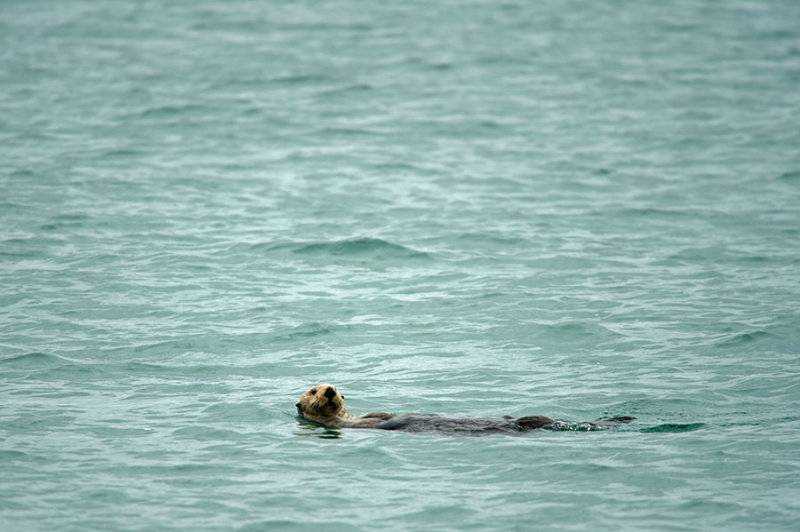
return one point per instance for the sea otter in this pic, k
(323, 404)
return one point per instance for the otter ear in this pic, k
(342, 396)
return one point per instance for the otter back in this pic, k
(474, 426)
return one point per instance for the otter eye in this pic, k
(314, 392)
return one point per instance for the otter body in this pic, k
(473, 426)
(323, 404)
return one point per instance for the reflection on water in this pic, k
(315, 430)
(674, 427)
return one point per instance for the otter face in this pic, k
(321, 400)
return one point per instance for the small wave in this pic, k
(302, 332)
(358, 248)
(7, 206)
(579, 331)
(239, 411)
(170, 110)
(674, 427)
(206, 434)
(375, 248)
(653, 212)
(744, 338)
(339, 132)
(123, 153)
(794, 174)
(141, 369)
(7, 455)
(298, 79)
(32, 360)
(23, 172)
(65, 221)
(487, 239)
(347, 90)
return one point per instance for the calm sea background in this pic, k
(568, 208)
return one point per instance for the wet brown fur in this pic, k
(325, 405)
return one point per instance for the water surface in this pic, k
(574, 209)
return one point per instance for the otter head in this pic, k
(321, 400)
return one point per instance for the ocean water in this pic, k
(575, 209)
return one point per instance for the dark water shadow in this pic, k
(315, 430)
(674, 427)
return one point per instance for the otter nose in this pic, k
(330, 393)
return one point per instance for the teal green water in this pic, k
(574, 209)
